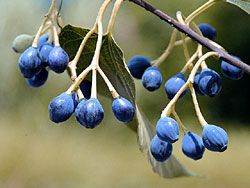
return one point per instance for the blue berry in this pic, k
(152, 78)
(207, 31)
(210, 82)
(192, 146)
(61, 108)
(30, 62)
(75, 99)
(137, 65)
(174, 84)
(85, 87)
(58, 59)
(196, 83)
(167, 129)
(89, 113)
(42, 40)
(123, 109)
(231, 71)
(44, 52)
(160, 150)
(39, 79)
(215, 138)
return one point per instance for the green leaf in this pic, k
(111, 60)
(243, 4)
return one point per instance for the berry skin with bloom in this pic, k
(231, 71)
(22, 42)
(30, 62)
(152, 78)
(58, 59)
(42, 40)
(160, 150)
(137, 65)
(215, 138)
(123, 109)
(167, 129)
(192, 146)
(207, 31)
(89, 113)
(196, 84)
(210, 82)
(75, 99)
(85, 87)
(39, 79)
(44, 52)
(174, 84)
(61, 108)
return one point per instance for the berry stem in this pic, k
(194, 35)
(189, 62)
(196, 106)
(108, 83)
(113, 16)
(55, 35)
(178, 119)
(166, 53)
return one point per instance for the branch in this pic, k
(192, 34)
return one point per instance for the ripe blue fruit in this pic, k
(167, 129)
(39, 79)
(30, 62)
(137, 65)
(196, 83)
(210, 82)
(215, 138)
(152, 78)
(61, 108)
(89, 113)
(42, 40)
(192, 146)
(75, 99)
(58, 59)
(160, 150)
(231, 71)
(207, 31)
(85, 87)
(123, 109)
(44, 52)
(174, 84)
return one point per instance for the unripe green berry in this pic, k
(22, 42)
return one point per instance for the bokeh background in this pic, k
(35, 153)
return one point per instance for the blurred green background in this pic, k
(35, 153)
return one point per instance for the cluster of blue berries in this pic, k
(213, 138)
(34, 62)
(207, 82)
(88, 112)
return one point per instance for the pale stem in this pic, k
(113, 16)
(200, 10)
(94, 83)
(196, 106)
(166, 53)
(56, 38)
(189, 62)
(108, 83)
(178, 119)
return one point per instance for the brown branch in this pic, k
(192, 34)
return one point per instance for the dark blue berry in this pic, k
(85, 87)
(210, 82)
(207, 31)
(75, 99)
(30, 62)
(231, 71)
(39, 79)
(160, 150)
(215, 138)
(174, 84)
(42, 40)
(61, 108)
(44, 52)
(192, 146)
(123, 109)
(152, 78)
(58, 59)
(167, 129)
(89, 113)
(137, 65)
(196, 83)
